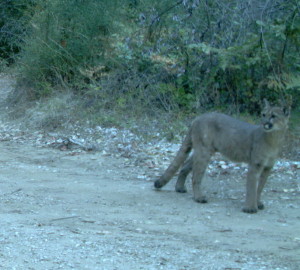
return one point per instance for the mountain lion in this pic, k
(257, 145)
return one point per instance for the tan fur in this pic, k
(257, 145)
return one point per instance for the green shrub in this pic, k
(183, 56)
(66, 38)
(14, 18)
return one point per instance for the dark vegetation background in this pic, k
(112, 61)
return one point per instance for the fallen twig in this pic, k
(63, 218)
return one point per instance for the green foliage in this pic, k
(232, 59)
(14, 18)
(66, 39)
(185, 55)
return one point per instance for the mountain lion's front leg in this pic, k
(262, 181)
(254, 172)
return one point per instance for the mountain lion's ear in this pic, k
(289, 102)
(286, 104)
(286, 110)
(266, 103)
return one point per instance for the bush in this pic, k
(66, 38)
(164, 55)
(231, 54)
(14, 18)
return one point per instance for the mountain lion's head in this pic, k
(275, 118)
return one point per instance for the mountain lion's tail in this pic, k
(181, 156)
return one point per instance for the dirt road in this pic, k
(90, 210)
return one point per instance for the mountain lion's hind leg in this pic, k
(201, 157)
(185, 170)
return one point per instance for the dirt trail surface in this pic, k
(91, 210)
